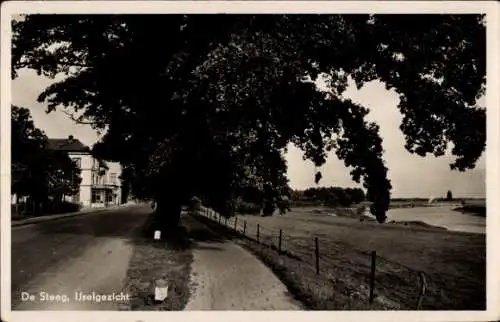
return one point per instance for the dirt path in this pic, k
(227, 277)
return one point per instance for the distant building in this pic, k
(101, 184)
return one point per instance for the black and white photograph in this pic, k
(224, 158)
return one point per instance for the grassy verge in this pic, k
(315, 292)
(169, 259)
(454, 263)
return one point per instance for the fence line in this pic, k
(283, 243)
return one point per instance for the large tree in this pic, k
(207, 104)
(36, 171)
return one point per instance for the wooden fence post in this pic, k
(317, 254)
(244, 227)
(423, 288)
(279, 242)
(372, 275)
(258, 239)
(225, 221)
(235, 223)
(219, 219)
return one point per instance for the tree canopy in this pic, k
(207, 104)
(36, 171)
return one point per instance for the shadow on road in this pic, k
(131, 224)
(188, 235)
(110, 223)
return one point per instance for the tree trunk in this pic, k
(33, 209)
(168, 210)
(268, 208)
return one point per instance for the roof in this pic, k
(67, 145)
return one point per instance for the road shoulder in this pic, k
(168, 259)
(40, 219)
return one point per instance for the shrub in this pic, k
(61, 208)
(244, 207)
(268, 209)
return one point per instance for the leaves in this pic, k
(206, 104)
(36, 171)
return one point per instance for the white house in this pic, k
(101, 184)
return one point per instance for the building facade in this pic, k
(101, 184)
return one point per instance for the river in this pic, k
(443, 216)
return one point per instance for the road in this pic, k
(88, 253)
(54, 263)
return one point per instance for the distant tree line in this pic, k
(253, 201)
(330, 196)
(39, 177)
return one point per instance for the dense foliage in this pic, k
(37, 172)
(206, 104)
(330, 196)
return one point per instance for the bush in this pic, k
(48, 207)
(63, 207)
(244, 207)
(269, 209)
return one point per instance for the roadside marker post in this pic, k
(161, 290)
(423, 288)
(279, 242)
(316, 251)
(372, 275)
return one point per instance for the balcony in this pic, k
(105, 186)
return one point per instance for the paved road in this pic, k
(86, 253)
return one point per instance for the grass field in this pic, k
(454, 263)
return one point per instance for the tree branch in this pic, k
(20, 65)
(77, 120)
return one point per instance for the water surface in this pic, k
(443, 216)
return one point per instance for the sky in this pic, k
(410, 175)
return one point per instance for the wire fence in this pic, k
(371, 271)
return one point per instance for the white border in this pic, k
(492, 157)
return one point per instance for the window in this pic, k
(96, 196)
(97, 179)
(78, 162)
